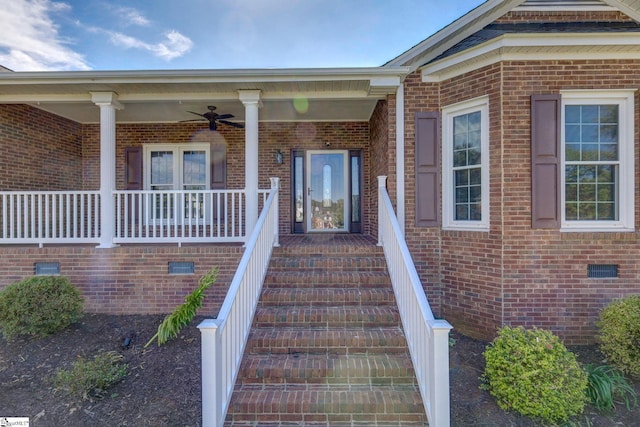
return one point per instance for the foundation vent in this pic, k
(46, 268)
(181, 267)
(602, 271)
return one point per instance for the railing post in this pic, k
(275, 185)
(382, 183)
(439, 375)
(211, 374)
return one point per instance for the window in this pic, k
(465, 154)
(182, 167)
(597, 183)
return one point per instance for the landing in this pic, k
(329, 239)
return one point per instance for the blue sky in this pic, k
(46, 35)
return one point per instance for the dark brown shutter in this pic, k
(218, 166)
(545, 161)
(427, 161)
(133, 168)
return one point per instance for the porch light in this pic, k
(279, 157)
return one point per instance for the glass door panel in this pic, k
(194, 177)
(327, 204)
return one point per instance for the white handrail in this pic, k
(224, 338)
(427, 337)
(49, 217)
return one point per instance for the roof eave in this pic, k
(452, 34)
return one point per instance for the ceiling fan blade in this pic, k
(212, 125)
(192, 120)
(236, 125)
(224, 116)
(197, 114)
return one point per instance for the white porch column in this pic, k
(251, 101)
(108, 103)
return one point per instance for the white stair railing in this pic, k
(224, 338)
(427, 337)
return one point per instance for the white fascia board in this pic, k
(201, 76)
(453, 33)
(510, 47)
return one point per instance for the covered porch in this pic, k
(81, 186)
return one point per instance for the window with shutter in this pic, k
(465, 159)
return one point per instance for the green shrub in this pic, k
(39, 306)
(91, 378)
(533, 373)
(607, 385)
(620, 334)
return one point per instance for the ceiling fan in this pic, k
(214, 118)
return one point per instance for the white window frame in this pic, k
(178, 150)
(480, 104)
(626, 155)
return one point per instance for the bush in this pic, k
(620, 334)
(39, 306)
(607, 385)
(533, 373)
(92, 378)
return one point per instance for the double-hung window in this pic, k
(597, 155)
(465, 154)
(178, 175)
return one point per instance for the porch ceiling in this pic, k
(167, 96)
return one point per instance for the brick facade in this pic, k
(515, 274)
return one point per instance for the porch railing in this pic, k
(67, 217)
(427, 337)
(177, 216)
(224, 338)
(41, 217)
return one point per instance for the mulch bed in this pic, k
(163, 387)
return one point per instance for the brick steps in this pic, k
(326, 346)
(313, 317)
(334, 369)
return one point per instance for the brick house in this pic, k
(509, 140)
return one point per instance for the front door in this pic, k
(327, 202)
(326, 191)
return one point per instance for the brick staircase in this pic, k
(326, 346)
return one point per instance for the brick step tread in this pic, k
(310, 297)
(328, 250)
(329, 340)
(295, 278)
(374, 370)
(358, 402)
(312, 317)
(323, 263)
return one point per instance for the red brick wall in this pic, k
(567, 16)
(424, 242)
(380, 157)
(43, 155)
(514, 274)
(545, 274)
(131, 279)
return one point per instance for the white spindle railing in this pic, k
(427, 337)
(224, 338)
(49, 217)
(180, 216)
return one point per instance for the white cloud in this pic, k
(30, 39)
(132, 16)
(173, 46)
